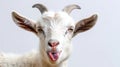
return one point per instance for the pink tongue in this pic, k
(53, 56)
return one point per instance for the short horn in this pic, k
(41, 8)
(69, 8)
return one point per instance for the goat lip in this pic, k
(53, 55)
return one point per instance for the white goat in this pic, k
(55, 31)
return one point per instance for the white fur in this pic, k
(55, 26)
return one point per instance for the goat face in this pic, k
(55, 31)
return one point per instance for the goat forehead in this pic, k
(56, 19)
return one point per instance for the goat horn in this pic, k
(41, 7)
(69, 8)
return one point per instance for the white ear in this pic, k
(23, 22)
(85, 24)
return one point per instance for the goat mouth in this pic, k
(53, 55)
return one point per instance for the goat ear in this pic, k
(23, 22)
(85, 24)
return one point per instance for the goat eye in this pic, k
(70, 30)
(40, 30)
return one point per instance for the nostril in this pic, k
(49, 44)
(57, 43)
(53, 43)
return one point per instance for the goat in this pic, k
(55, 31)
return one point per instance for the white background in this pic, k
(98, 47)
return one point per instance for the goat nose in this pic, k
(53, 43)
